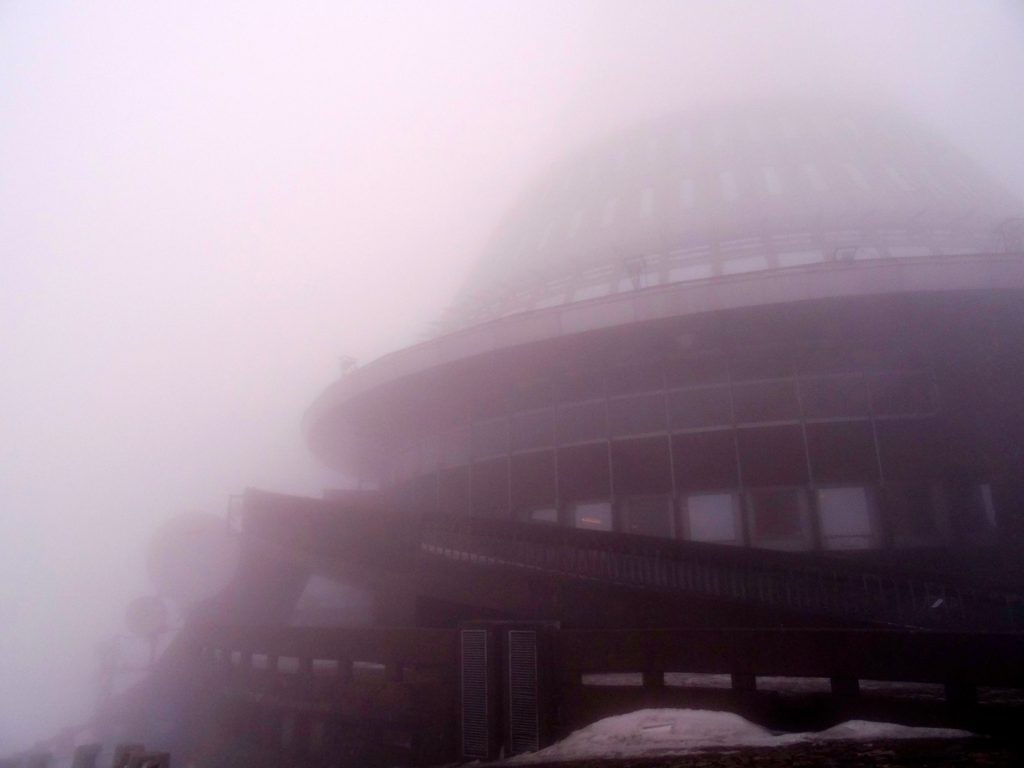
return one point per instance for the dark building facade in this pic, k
(771, 326)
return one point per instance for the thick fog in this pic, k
(204, 206)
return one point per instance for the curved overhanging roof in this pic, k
(325, 423)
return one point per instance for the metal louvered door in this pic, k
(522, 695)
(477, 708)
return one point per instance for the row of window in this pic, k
(854, 397)
(792, 518)
(911, 452)
(806, 179)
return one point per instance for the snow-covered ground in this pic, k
(658, 732)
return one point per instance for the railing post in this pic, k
(743, 682)
(845, 687)
(653, 678)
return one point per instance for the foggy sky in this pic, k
(203, 208)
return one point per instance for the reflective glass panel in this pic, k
(766, 401)
(835, 396)
(545, 515)
(778, 518)
(895, 394)
(582, 421)
(637, 415)
(694, 408)
(595, 515)
(711, 517)
(649, 515)
(490, 438)
(844, 515)
(533, 429)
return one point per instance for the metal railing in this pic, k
(852, 590)
(812, 584)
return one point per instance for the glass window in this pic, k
(835, 396)
(637, 415)
(455, 447)
(772, 455)
(551, 299)
(972, 513)
(545, 514)
(582, 421)
(453, 491)
(698, 370)
(594, 515)
(533, 480)
(769, 363)
(713, 518)
(896, 394)
(638, 377)
(690, 272)
(799, 258)
(490, 488)
(641, 466)
(490, 438)
(592, 291)
(648, 515)
(912, 451)
(742, 264)
(428, 453)
(778, 518)
(583, 472)
(845, 518)
(533, 429)
(912, 513)
(842, 452)
(424, 494)
(705, 460)
(695, 408)
(766, 401)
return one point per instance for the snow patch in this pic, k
(657, 732)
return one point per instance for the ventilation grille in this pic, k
(474, 693)
(523, 715)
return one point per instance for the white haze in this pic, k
(204, 205)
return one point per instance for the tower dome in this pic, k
(704, 194)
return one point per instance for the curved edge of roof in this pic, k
(795, 284)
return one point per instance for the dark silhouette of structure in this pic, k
(736, 392)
